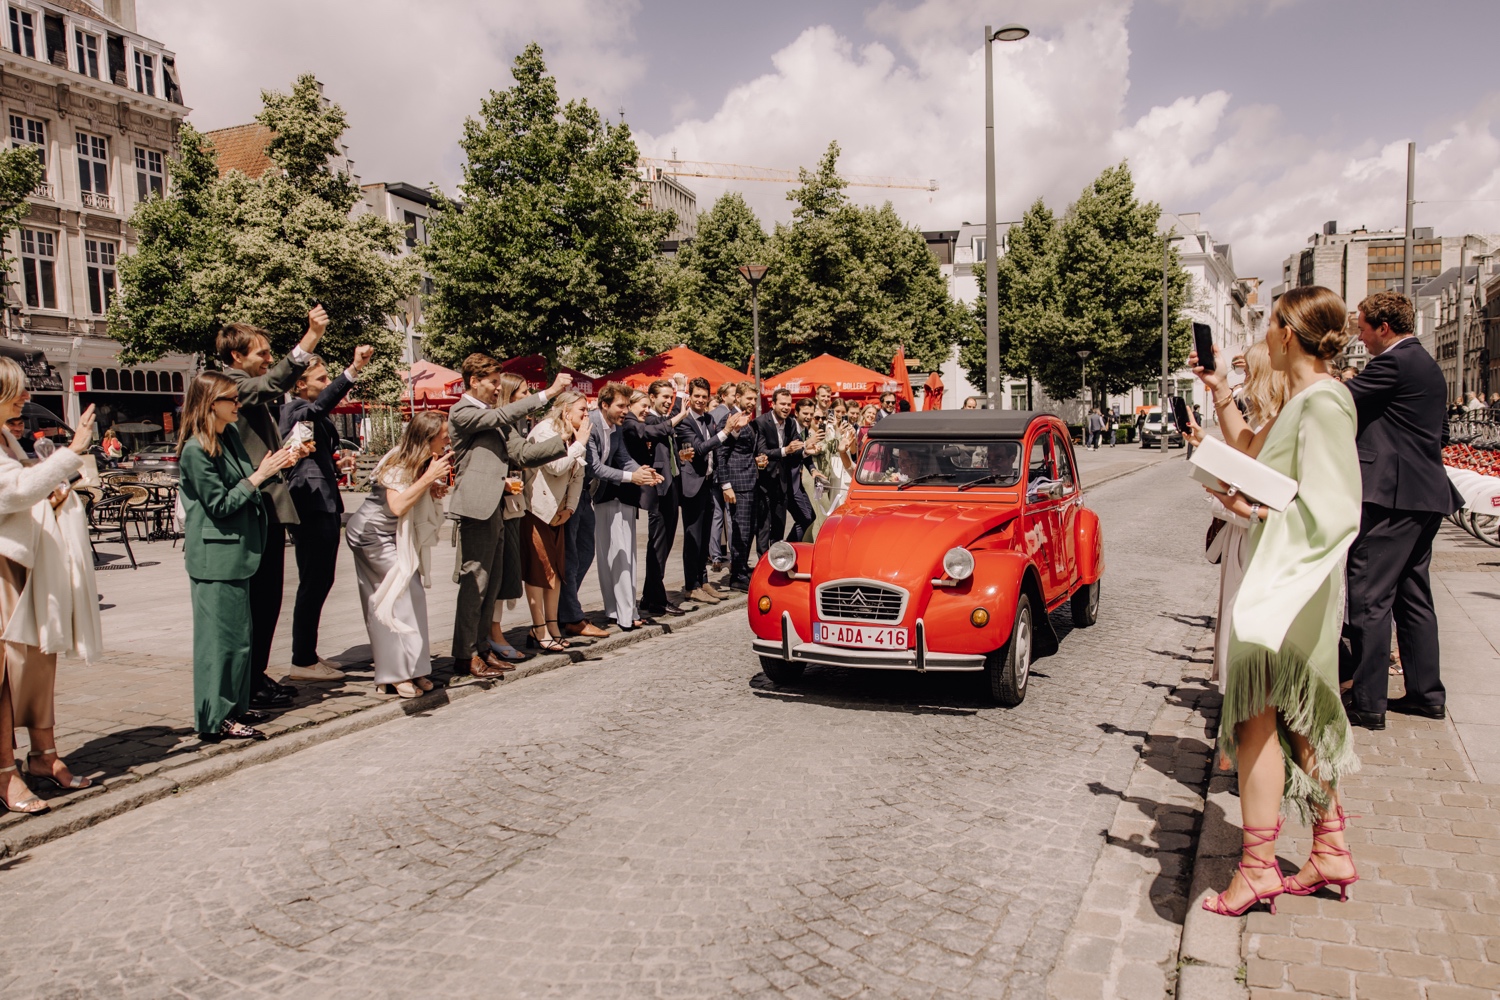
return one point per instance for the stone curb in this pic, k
(1211, 955)
(95, 806)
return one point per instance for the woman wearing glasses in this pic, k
(224, 539)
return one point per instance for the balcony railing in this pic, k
(103, 202)
(44, 190)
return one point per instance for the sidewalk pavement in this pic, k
(128, 717)
(1099, 467)
(1423, 923)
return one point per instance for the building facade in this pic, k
(409, 207)
(1439, 300)
(102, 105)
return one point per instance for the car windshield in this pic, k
(940, 463)
(158, 449)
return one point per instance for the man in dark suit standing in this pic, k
(314, 485)
(1400, 397)
(736, 475)
(798, 503)
(718, 549)
(700, 442)
(778, 450)
(246, 353)
(658, 431)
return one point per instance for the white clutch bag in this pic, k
(1220, 466)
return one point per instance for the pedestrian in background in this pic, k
(1282, 683)
(224, 543)
(245, 352)
(1406, 494)
(111, 448)
(513, 389)
(391, 536)
(1096, 428)
(971, 403)
(314, 485)
(552, 495)
(48, 597)
(486, 446)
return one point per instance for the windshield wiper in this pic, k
(992, 477)
(921, 479)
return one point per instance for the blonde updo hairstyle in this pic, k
(1318, 319)
(12, 380)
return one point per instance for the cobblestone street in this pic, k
(657, 822)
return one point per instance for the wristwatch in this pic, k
(1255, 512)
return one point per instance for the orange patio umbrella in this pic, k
(679, 359)
(847, 379)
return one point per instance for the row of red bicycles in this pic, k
(1472, 458)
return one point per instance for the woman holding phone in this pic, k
(223, 540)
(391, 535)
(1282, 676)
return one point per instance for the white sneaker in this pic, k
(320, 671)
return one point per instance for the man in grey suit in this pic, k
(486, 446)
(245, 351)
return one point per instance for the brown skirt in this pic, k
(543, 548)
(30, 673)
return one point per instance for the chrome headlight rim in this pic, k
(958, 563)
(782, 556)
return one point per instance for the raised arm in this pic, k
(23, 487)
(275, 383)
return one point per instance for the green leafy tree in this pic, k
(853, 281)
(1028, 313)
(20, 172)
(710, 309)
(1109, 262)
(263, 250)
(553, 251)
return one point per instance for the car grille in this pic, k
(864, 602)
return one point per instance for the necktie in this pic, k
(708, 436)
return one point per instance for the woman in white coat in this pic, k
(47, 595)
(552, 493)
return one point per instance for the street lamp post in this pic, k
(1006, 33)
(1084, 371)
(1166, 263)
(753, 273)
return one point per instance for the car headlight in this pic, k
(783, 557)
(958, 563)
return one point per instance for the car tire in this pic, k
(1086, 605)
(1009, 669)
(780, 672)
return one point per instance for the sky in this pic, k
(1268, 117)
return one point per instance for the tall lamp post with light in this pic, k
(1006, 33)
(753, 273)
(1166, 263)
(1084, 382)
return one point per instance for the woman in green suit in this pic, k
(224, 539)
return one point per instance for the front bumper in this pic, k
(921, 659)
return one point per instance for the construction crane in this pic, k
(674, 167)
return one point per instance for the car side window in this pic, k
(1064, 464)
(1040, 464)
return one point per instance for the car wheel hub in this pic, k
(1023, 652)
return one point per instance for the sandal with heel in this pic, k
(1320, 846)
(547, 643)
(26, 807)
(1257, 863)
(559, 637)
(75, 783)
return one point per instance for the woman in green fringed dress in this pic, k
(1282, 720)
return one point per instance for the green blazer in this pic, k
(226, 521)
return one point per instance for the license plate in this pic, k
(862, 636)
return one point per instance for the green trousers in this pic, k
(221, 651)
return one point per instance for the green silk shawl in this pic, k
(1288, 616)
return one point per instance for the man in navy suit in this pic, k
(729, 395)
(314, 485)
(1400, 397)
(700, 439)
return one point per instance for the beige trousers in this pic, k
(31, 674)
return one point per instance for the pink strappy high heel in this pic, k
(1320, 846)
(1217, 904)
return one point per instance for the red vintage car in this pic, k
(961, 531)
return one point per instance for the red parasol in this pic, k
(848, 380)
(901, 378)
(932, 399)
(533, 368)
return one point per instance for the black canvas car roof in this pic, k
(949, 424)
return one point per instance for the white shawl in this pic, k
(416, 533)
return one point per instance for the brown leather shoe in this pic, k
(715, 592)
(586, 629)
(702, 596)
(482, 668)
(497, 663)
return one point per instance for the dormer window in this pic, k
(22, 33)
(145, 74)
(87, 47)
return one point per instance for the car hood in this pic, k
(899, 543)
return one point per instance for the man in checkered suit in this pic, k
(736, 474)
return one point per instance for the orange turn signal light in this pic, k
(764, 605)
(979, 617)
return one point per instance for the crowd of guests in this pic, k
(1309, 593)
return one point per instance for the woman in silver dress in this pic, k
(391, 535)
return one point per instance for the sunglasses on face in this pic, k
(235, 399)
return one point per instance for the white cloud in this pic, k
(1211, 13)
(407, 73)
